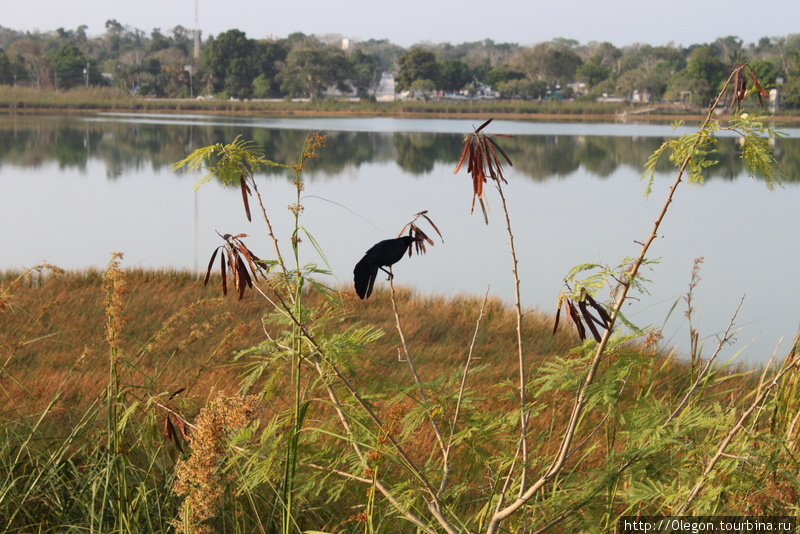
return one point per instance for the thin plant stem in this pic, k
(523, 414)
(291, 460)
(459, 400)
(701, 482)
(270, 232)
(726, 336)
(410, 360)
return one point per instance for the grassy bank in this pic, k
(181, 334)
(25, 99)
(177, 335)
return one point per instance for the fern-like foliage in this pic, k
(693, 150)
(757, 154)
(227, 162)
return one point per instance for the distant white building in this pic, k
(774, 100)
(385, 90)
(642, 97)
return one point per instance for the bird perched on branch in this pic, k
(383, 254)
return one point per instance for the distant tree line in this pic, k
(232, 65)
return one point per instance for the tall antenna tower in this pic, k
(196, 34)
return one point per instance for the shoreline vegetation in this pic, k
(182, 333)
(15, 99)
(179, 349)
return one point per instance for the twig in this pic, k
(523, 416)
(423, 397)
(457, 411)
(729, 437)
(725, 337)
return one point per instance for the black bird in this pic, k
(384, 254)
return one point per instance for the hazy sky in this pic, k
(406, 22)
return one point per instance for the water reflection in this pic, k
(128, 144)
(75, 188)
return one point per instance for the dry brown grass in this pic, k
(53, 337)
(178, 333)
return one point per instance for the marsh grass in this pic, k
(176, 334)
(20, 99)
(172, 333)
(180, 334)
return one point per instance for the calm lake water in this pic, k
(74, 189)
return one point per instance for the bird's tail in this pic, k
(364, 277)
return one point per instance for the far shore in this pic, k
(22, 100)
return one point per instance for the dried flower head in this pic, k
(198, 477)
(420, 237)
(114, 285)
(480, 153)
(236, 258)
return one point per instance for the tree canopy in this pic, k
(416, 64)
(234, 65)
